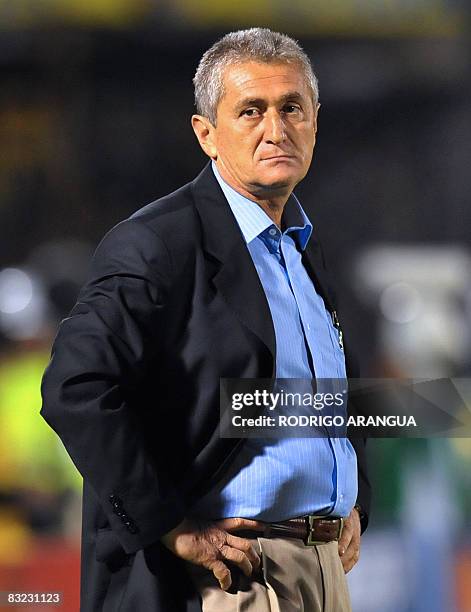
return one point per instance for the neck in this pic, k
(273, 208)
(272, 203)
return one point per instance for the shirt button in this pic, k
(272, 232)
(308, 326)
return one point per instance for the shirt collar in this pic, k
(253, 220)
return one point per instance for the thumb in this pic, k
(222, 574)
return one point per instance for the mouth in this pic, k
(278, 158)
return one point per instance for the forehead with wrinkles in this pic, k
(267, 82)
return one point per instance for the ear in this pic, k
(204, 131)
(316, 112)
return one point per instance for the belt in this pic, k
(310, 529)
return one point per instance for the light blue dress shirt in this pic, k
(276, 479)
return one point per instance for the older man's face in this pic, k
(266, 128)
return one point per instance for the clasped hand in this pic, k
(212, 545)
(349, 543)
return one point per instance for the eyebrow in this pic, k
(291, 95)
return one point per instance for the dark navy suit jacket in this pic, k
(173, 304)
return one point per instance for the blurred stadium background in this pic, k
(95, 100)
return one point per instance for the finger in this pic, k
(222, 574)
(346, 559)
(350, 558)
(234, 524)
(246, 547)
(354, 543)
(345, 541)
(237, 557)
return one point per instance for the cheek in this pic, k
(244, 150)
(237, 145)
(307, 144)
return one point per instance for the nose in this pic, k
(274, 128)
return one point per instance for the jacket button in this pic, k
(116, 501)
(131, 526)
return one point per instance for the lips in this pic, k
(280, 157)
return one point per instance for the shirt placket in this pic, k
(337, 495)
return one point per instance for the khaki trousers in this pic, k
(293, 578)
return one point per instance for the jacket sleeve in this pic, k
(101, 350)
(359, 444)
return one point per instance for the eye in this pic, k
(291, 108)
(250, 112)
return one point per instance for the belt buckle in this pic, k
(309, 541)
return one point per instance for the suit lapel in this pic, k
(231, 267)
(229, 261)
(314, 264)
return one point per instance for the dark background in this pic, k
(95, 106)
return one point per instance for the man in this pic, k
(222, 278)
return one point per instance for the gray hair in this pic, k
(255, 44)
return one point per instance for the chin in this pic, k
(276, 181)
